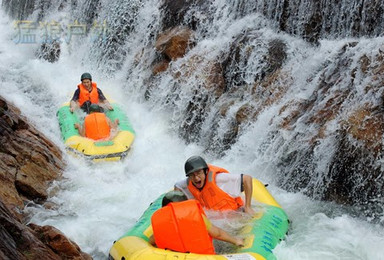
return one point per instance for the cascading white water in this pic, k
(99, 203)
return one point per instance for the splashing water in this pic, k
(99, 203)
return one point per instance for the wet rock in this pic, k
(17, 241)
(327, 147)
(29, 162)
(314, 20)
(30, 181)
(365, 125)
(312, 27)
(160, 67)
(19, 9)
(49, 51)
(276, 56)
(208, 87)
(60, 244)
(355, 178)
(190, 128)
(350, 171)
(243, 50)
(183, 13)
(244, 113)
(175, 42)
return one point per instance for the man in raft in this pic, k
(88, 93)
(182, 226)
(214, 187)
(97, 125)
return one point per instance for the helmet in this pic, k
(173, 196)
(86, 75)
(193, 164)
(95, 108)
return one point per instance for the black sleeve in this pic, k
(242, 183)
(101, 95)
(76, 95)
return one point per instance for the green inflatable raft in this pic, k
(263, 232)
(111, 150)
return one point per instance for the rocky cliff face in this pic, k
(336, 158)
(28, 163)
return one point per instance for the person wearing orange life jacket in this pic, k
(97, 125)
(88, 93)
(214, 187)
(181, 225)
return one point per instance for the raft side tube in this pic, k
(261, 234)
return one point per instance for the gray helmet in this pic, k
(173, 196)
(86, 75)
(95, 108)
(193, 164)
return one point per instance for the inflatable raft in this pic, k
(264, 231)
(111, 150)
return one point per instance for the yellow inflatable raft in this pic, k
(111, 150)
(262, 234)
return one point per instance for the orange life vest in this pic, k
(211, 196)
(85, 95)
(180, 227)
(96, 126)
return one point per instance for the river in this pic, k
(97, 203)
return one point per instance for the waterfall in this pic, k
(289, 91)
